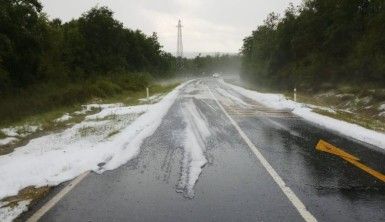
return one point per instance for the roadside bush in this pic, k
(134, 82)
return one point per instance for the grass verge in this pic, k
(46, 120)
(347, 107)
(358, 105)
(41, 105)
(127, 94)
(362, 120)
(55, 98)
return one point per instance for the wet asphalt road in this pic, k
(233, 185)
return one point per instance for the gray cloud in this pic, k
(209, 25)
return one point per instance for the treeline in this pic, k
(318, 44)
(207, 65)
(48, 65)
(35, 49)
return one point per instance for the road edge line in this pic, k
(54, 200)
(297, 203)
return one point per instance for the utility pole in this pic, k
(179, 48)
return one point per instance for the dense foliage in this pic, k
(47, 65)
(318, 44)
(207, 65)
(34, 49)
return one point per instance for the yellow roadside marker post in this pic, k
(329, 148)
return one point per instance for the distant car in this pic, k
(216, 75)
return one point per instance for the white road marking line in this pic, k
(52, 202)
(297, 203)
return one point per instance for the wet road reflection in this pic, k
(233, 185)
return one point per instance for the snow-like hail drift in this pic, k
(195, 137)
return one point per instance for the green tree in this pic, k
(22, 37)
(319, 42)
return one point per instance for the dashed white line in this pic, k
(297, 203)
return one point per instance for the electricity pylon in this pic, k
(179, 48)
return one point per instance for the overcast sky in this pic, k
(208, 25)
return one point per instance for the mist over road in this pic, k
(219, 156)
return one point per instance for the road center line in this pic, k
(52, 202)
(297, 203)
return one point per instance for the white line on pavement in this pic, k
(52, 202)
(307, 216)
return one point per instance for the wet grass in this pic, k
(113, 133)
(360, 115)
(85, 131)
(45, 119)
(29, 193)
(362, 120)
